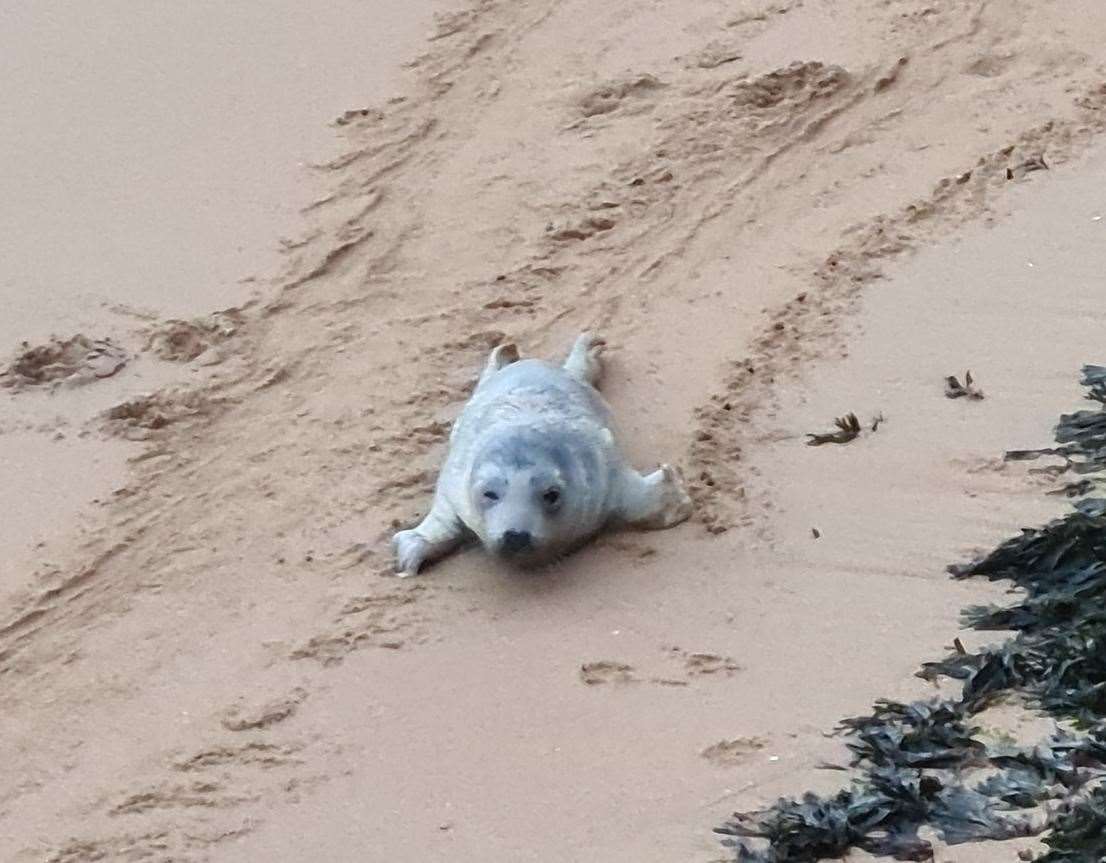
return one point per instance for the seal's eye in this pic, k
(491, 495)
(551, 497)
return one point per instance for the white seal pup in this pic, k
(534, 469)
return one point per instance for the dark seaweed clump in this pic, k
(927, 763)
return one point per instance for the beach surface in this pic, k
(289, 239)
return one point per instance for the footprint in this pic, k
(612, 95)
(264, 755)
(698, 664)
(241, 717)
(727, 753)
(703, 664)
(606, 671)
(77, 360)
(200, 794)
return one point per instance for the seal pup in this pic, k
(534, 469)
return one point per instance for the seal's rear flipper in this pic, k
(653, 502)
(500, 357)
(584, 362)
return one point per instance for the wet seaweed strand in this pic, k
(927, 763)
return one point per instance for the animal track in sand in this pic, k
(183, 341)
(144, 846)
(625, 92)
(139, 418)
(73, 361)
(713, 55)
(385, 620)
(266, 755)
(699, 664)
(727, 753)
(702, 125)
(240, 717)
(606, 671)
(208, 795)
(764, 14)
(809, 326)
(583, 229)
(693, 665)
(171, 819)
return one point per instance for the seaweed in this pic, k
(848, 428)
(955, 390)
(1081, 435)
(1079, 832)
(923, 734)
(921, 764)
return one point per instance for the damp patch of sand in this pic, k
(163, 154)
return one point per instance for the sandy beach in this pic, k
(289, 238)
(164, 156)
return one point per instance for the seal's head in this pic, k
(534, 494)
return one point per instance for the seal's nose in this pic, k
(515, 541)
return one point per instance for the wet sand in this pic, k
(158, 157)
(773, 225)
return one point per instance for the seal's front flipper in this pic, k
(653, 502)
(501, 356)
(584, 362)
(436, 536)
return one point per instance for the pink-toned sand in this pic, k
(776, 213)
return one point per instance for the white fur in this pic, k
(532, 428)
